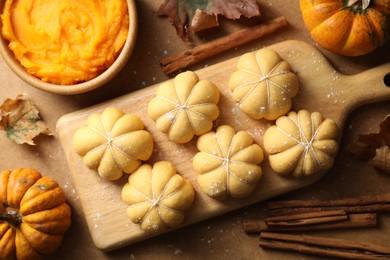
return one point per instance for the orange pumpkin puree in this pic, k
(65, 41)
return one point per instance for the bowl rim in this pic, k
(83, 87)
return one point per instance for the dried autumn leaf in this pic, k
(381, 160)
(364, 147)
(385, 130)
(195, 15)
(19, 118)
(374, 146)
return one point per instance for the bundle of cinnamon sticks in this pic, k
(321, 246)
(310, 215)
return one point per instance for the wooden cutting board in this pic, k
(322, 89)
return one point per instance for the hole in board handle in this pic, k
(386, 79)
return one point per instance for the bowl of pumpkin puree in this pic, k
(66, 46)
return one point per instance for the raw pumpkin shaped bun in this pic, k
(157, 196)
(113, 142)
(263, 85)
(301, 143)
(36, 214)
(184, 107)
(228, 163)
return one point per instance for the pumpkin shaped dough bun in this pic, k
(301, 143)
(228, 163)
(157, 196)
(263, 85)
(37, 214)
(113, 142)
(184, 107)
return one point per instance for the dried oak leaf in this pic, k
(381, 160)
(19, 118)
(194, 15)
(374, 146)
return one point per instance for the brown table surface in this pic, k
(223, 236)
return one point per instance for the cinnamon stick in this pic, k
(309, 221)
(352, 201)
(322, 246)
(307, 218)
(367, 203)
(179, 61)
(362, 220)
(348, 209)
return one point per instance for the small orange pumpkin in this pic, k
(347, 27)
(34, 214)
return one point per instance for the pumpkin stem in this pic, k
(359, 4)
(12, 217)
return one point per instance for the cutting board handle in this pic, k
(327, 90)
(367, 87)
(372, 85)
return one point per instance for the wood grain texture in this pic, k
(322, 89)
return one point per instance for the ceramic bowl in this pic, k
(83, 87)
